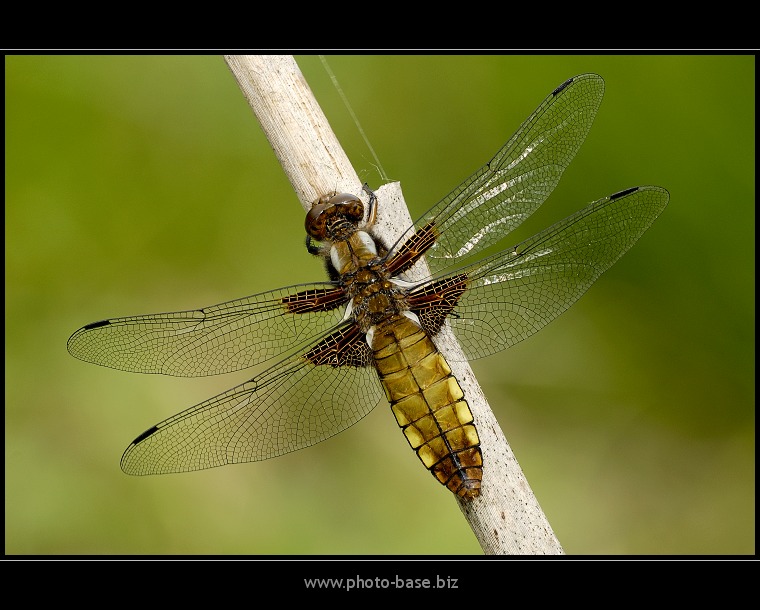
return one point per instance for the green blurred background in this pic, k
(144, 184)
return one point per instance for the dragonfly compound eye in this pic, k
(349, 206)
(316, 221)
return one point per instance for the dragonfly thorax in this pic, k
(374, 297)
(353, 253)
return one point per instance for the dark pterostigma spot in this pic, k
(145, 435)
(97, 324)
(633, 189)
(562, 86)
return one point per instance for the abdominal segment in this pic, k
(428, 404)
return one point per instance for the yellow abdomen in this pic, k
(428, 404)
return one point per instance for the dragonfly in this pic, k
(366, 335)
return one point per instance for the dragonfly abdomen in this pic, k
(428, 404)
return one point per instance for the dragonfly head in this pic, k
(333, 216)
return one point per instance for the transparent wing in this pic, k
(515, 293)
(510, 187)
(219, 339)
(292, 405)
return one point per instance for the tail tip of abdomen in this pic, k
(463, 480)
(470, 489)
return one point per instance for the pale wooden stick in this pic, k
(506, 518)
